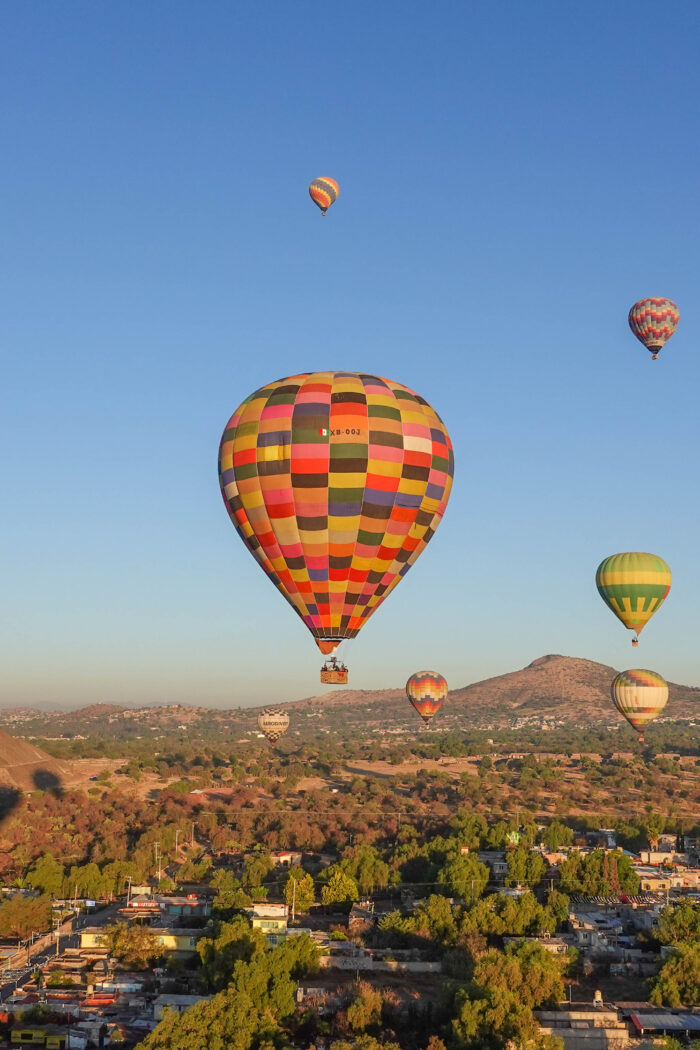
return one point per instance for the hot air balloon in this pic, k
(273, 723)
(335, 482)
(324, 192)
(640, 696)
(654, 321)
(426, 690)
(633, 585)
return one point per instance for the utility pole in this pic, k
(192, 838)
(177, 835)
(156, 846)
(127, 880)
(294, 897)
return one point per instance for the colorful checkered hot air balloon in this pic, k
(640, 696)
(335, 482)
(426, 690)
(273, 722)
(324, 192)
(654, 321)
(633, 585)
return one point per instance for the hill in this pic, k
(24, 766)
(561, 689)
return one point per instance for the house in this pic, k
(554, 945)
(177, 1003)
(660, 1023)
(496, 862)
(361, 918)
(50, 1036)
(271, 919)
(286, 858)
(170, 941)
(189, 905)
(584, 1027)
(141, 907)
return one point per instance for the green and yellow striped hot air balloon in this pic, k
(640, 696)
(633, 585)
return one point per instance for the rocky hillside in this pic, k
(554, 688)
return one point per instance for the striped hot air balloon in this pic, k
(654, 321)
(640, 696)
(324, 192)
(273, 722)
(633, 585)
(426, 690)
(335, 482)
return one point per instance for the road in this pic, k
(46, 948)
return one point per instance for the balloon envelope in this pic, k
(335, 482)
(426, 690)
(640, 696)
(633, 585)
(654, 321)
(324, 192)
(273, 722)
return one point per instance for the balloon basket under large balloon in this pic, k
(334, 672)
(654, 357)
(635, 641)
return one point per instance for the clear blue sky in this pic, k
(513, 177)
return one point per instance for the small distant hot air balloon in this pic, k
(273, 723)
(335, 482)
(324, 192)
(633, 585)
(640, 696)
(654, 321)
(426, 690)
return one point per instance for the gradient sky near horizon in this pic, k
(513, 177)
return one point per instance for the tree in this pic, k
(133, 946)
(601, 872)
(680, 924)
(653, 826)
(299, 890)
(20, 915)
(233, 941)
(556, 835)
(495, 1009)
(525, 868)
(229, 894)
(527, 969)
(365, 1010)
(340, 888)
(259, 996)
(678, 981)
(366, 867)
(47, 875)
(256, 867)
(465, 877)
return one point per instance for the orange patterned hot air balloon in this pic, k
(335, 482)
(324, 192)
(654, 321)
(426, 690)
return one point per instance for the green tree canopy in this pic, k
(678, 981)
(464, 876)
(340, 888)
(299, 890)
(133, 946)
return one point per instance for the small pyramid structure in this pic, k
(28, 768)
